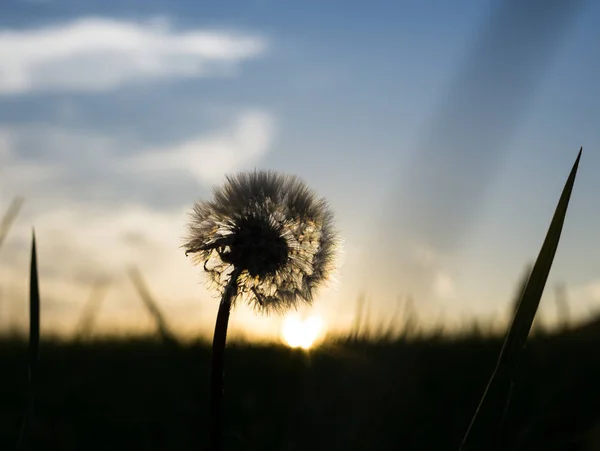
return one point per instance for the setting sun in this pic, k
(301, 333)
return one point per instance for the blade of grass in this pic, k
(527, 307)
(360, 304)
(34, 346)
(9, 217)
(163, 329)
(521, 288)
(91, 309)
(409, 321)
(562, 306)
(365, 327)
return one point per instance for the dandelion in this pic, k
(266, 239)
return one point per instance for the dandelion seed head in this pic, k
(273, 230)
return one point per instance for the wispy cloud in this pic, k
(97, 54)
(444, 285)
(67, 164)
(589, 291)
(432, 262)
(209, 158)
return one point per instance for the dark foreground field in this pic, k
(353, 395)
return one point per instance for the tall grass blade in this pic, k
(409, 321)
(34, 346)
(161, 324)
(525, 311)
(521, 288)
(358, 318)
(9, 217)
(91, 309)
(562, 306)
(365, 326)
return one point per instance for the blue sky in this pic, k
(441, 132)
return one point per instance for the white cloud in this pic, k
(444, 285)
(584, 294)
(95, 54)
(209, 158)
(59, 164)
(434, 263)
(593, 290)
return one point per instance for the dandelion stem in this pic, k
(218, 352)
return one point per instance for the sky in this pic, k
(440, 132)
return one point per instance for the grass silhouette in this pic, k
(416, 393)
(34, 348)
(365, 390)
(505, 371)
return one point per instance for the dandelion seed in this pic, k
(271, 228)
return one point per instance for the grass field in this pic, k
(357, 393)
(375, 394)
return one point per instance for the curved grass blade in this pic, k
(521, 288)
(34, 346)
(34, 310)
(164, 331)
(526, 309)
(9, 217)
(91, 309)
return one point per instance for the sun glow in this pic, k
(301, 333)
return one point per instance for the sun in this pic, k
(301, 333)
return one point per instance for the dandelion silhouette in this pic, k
(266, 239)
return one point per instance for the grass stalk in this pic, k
(34, 346)
(9, 217)
(164, 331)
(91, 309)
(523, 317)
